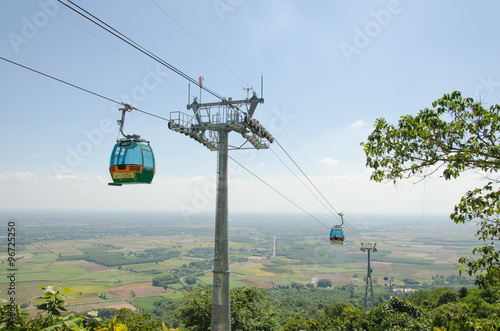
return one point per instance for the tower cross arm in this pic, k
(230, 102)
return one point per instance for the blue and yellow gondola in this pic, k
(337, 234)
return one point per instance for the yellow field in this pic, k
(257, 271)
(78, 290)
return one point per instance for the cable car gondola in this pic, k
(132, 160)
(337, 234)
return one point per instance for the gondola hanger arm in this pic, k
(126, 107)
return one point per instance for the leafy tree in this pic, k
(300, 323)
(462, 293)
(455, 136)
(190, 280)
(52, 305)
(135, 322)
(196, 310)
(354, 319)
(446, 297)
(250, 309)
(165, 280)
(324, 283)
(336, 309)
(398, 314)
(113, 325)
(53, 300)
(435, 297)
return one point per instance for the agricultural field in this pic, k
(113, 262)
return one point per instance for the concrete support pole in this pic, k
(221, 313)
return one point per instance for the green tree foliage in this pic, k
(196, 310)
(53, 300)
(52, 317)
(250, 310)
(136, 322)
(436, 297)
(52, 307)
(300, 323)
(456, 135)
(336, 310)
(312, 302)
(474, 309)
(324, 283)
(190, 280)
(165, 280)
(101, 255)
(398, 314)
(343, 316)
(296, 285)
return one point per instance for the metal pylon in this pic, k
(369, 283)
(210, 125)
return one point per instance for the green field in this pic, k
(420, 254)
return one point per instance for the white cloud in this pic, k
(330, 161)
(18, 176)
(358, 124)
(349, 178)
(103, 180)
(66, 177)
(198, 180)
(238, 182)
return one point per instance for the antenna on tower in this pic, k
(248, 90)
(200, 80)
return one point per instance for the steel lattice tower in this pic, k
(369, 283)
(210, 125)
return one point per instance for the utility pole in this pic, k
(369, 283)
(210, 125)
(274, 246)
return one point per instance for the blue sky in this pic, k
(330, 69)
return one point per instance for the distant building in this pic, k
(400, 291)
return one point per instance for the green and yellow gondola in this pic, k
(132, 160)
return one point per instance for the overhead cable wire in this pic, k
(199, 42)
(307, 177)
(82, 12)
(275, 190)
(336, 214)
(129, 41)
(93, 35)
(165, 119)
(345, 222)
(81, 88)
(107, 44)
(298, 178)
(308, 161)
(159, 117)
(355, 231)
(61, 81)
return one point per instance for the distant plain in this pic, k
(411, 250)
